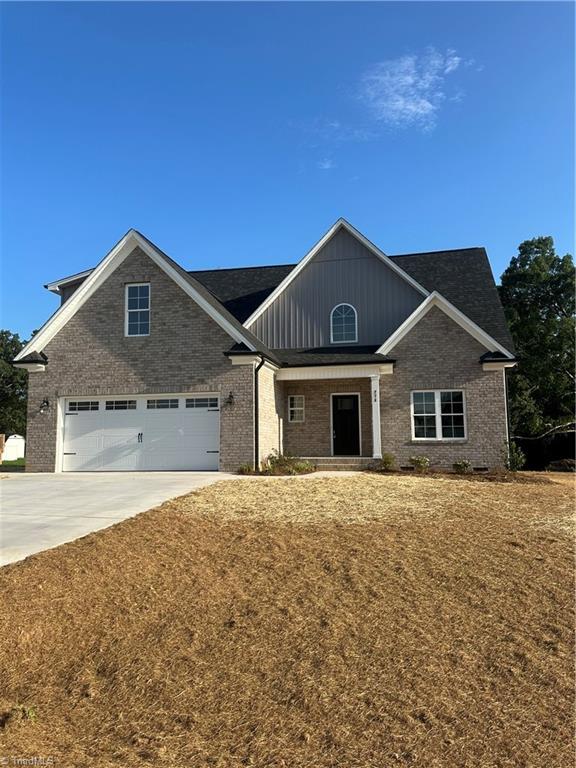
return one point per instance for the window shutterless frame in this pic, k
(349, 313)
(438, 416)
(128, 311)
(296, 408)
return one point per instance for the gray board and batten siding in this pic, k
(343, 271)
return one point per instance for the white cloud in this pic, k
(410, 90)
(326, 164)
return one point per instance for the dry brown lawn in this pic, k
(351, 622)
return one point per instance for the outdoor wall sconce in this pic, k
(45, 405)
(229, 400)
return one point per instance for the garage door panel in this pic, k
(175, 438)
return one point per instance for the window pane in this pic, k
(425, 426)
(452, 402)
(202, 402)
(344, 323)
(120, 405)
(163, 403)
(83, 405)
(424, 402)
(453, 426)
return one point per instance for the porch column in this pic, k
(376, 433)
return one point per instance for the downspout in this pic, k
(256, 417)
(507, 413)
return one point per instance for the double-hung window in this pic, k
(296, 408)
(438, 415)
(137, 309)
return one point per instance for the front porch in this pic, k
(331, 414)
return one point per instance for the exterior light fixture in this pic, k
(45, 405)
(229, 400)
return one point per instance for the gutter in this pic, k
(256, 414)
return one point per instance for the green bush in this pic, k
(246, 469)
(286, 464)
(387, 463)
(420, 463)
(462, 467)
(515, 458)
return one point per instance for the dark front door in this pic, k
(345, 425)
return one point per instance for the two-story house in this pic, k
(348, 353)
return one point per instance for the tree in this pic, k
(13, 387)
(537, 292)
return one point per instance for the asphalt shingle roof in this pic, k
(463, 276)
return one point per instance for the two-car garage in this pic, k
(130, 433)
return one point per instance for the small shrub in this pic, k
(515, 458)
(246, 469)
(387, 463)
(462, 467)
(285, 464)
(420, 463)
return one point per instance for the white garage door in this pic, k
(159, 432)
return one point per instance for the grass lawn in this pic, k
(351, 622)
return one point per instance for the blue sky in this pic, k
(236, 134)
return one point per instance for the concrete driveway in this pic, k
(40, 511)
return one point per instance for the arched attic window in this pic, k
(343, 324)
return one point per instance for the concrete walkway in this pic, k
(41, 511)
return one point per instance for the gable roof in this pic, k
(462, 275)
(437, 300)
(242, 290)
(340, 224)
(198, 292)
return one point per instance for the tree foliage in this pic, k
(13, 386)
(537, 292)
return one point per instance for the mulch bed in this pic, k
(354, 622)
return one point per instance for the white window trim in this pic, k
(346, 341)
(438, 415)
(127, 311)
(297, 408)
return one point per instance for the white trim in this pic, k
(497, 365)
(352, 455)
(106, 267)
(438, 417)
(346, 341)
(505, 383)
(127, 311)
(333, 371)
(297, 408)
(59, 456)
(436, 299)
(30, 367)
(376, 425)
(340, 224)
(55, 285)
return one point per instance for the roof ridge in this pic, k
(234, 269)
(442, 250)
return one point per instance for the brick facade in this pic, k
(438, 354)
(313, 436)
(184, 353)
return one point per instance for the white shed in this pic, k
(14, 448)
